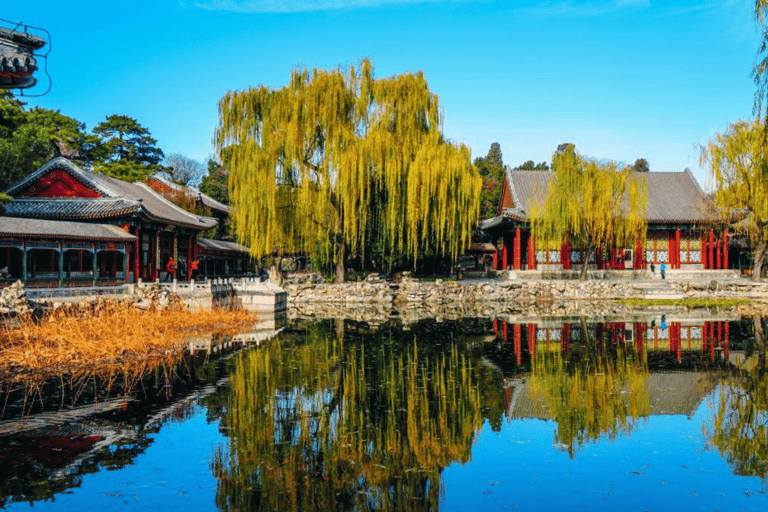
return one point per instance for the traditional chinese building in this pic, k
(681, 231)
(52, 254)
(61, 191)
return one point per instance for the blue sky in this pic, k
(622, 79)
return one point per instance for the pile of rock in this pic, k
(154, 296)
(14, 302)
(470, 295)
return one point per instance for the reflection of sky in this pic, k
(661, 465)
(172, 474)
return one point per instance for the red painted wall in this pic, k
(58, 183)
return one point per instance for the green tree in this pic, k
(126, 150)
(28, 138)
(738, 162)
(530, 165)
(641, 165)
(491, 168)
(594, 204)
(215, 183)
(318, 163)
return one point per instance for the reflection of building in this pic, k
(668, 393)
(160, 230)
(654, 334)
(678, 215)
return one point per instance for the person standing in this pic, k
(662, 269)
(170, 268)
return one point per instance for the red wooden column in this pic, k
(531, 252)
(671, 250)
(516, 257)
(154, 259)
(532, 341)
(677, 248)
(639, 256)
(704, 251)
(496, 260)
(565, 338)
(712, 341)
(726, 329)
(504, 331)
(725, 248)
(517, 334)
(496, 326)
(190, 253)
(565, 254)
(711, 249)
(137, 256)
(719, 254)
(504, 255)
(704, 336)
(640, 329)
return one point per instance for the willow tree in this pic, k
(738, 162)
(325, 161)
(594, 204)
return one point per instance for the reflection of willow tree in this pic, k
(594, 395)
(740, 424)
(342, 426)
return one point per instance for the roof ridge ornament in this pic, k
(18, 57)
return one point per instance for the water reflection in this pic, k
(56, 430)
(343, 415)
(360, 421)
(738, 428)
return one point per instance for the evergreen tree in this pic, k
(641, 165)
(30, 138)
(491, 168)
(126, 150)
(215, 183)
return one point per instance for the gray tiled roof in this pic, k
(120, 199)
(71, 208)
(37, 228)
(220, 245)
(672, 196)
(154, 205)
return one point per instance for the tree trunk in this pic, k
(340, 257)
(758, 255)
(584, 265)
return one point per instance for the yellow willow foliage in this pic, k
(605, 398)
(738, 162)
(316, 164)
(595, 204)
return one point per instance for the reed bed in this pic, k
(115, 337)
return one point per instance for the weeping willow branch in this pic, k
(359, 155)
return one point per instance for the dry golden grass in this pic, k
(114, 338)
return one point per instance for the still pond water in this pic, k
(655, 413)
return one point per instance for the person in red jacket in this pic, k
(170, 267)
